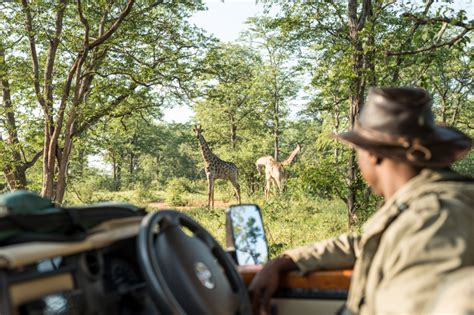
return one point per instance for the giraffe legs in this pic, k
(268, 185)
(279, 182)
(267, 190)
(237, 189)
(212, 196)
(210, 192)
(211, 180)
(279, 185)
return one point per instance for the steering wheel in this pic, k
(186, 270)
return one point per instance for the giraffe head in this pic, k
(197, 129)
(298, 147)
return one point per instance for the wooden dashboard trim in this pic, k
(325, 280)
(30, 290)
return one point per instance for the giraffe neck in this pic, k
(291, 157)
(207, 154)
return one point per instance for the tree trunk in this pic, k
(76, 85)
(131, 164)
(233, 134)
(15, 177)
(356, 24)
(337, 121)
(117, 170)
(114, 168)
(276, 131)
(454, 117)
(276, 140)
(63, 161)
(118, 177)
(15, 168)
(158, 165)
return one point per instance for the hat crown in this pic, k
(398, 123)
(398, 111)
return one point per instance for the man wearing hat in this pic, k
(425, 229)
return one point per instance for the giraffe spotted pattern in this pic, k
(216, 168)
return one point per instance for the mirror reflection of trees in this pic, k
(249, 236)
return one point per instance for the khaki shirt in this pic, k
(455, 295)
(422, 233)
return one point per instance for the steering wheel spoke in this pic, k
(187, 274)
(206, 238)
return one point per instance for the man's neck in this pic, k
(395, 175)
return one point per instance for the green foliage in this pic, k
(288, 220)
(293, 221)
(242, 94)
(176, 189)
(91, 78)
(322, 179)
(212, 219)
(182, 191)
(466, 165)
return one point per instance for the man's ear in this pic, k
(375, 159)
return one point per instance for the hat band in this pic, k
(412, 146)
(378, 136)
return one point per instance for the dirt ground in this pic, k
(192, 204)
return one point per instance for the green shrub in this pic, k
(176, 191)
(147, 193)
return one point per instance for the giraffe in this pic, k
(216, 168)
(274, 170)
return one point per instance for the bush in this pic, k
(147, 193)
(176, 191)
(293, 220)
(466, 165)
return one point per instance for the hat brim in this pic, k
(445, 144)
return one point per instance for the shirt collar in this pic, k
(397, 203)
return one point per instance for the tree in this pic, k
(230, 100)
(351, 45)
(89, 61)
(277, 77)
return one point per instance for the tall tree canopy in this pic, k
(350, 45)
(65, 66)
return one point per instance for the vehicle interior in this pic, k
(162, 262)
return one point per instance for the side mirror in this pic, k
(246, 235)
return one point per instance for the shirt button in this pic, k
(402, 207)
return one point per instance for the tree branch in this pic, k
(35, 158)
(104, 111)
(84, 22)
(423, 21)
(366, 7)
(51, 58)
(114, 27)
(451, 42)
(34, 54)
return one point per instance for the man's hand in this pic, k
(265, 283)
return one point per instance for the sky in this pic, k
(225, 20)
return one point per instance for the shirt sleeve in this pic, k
(336, 253)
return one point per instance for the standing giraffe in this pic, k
(216, 168)
(274, 170)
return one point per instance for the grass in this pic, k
(289, 220)
(288, 223)
(291, 223)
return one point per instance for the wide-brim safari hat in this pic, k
(398, 123)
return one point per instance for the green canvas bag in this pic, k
(26, 217)
(24, 202)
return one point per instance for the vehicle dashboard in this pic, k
(102, 275)
(98, 281)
